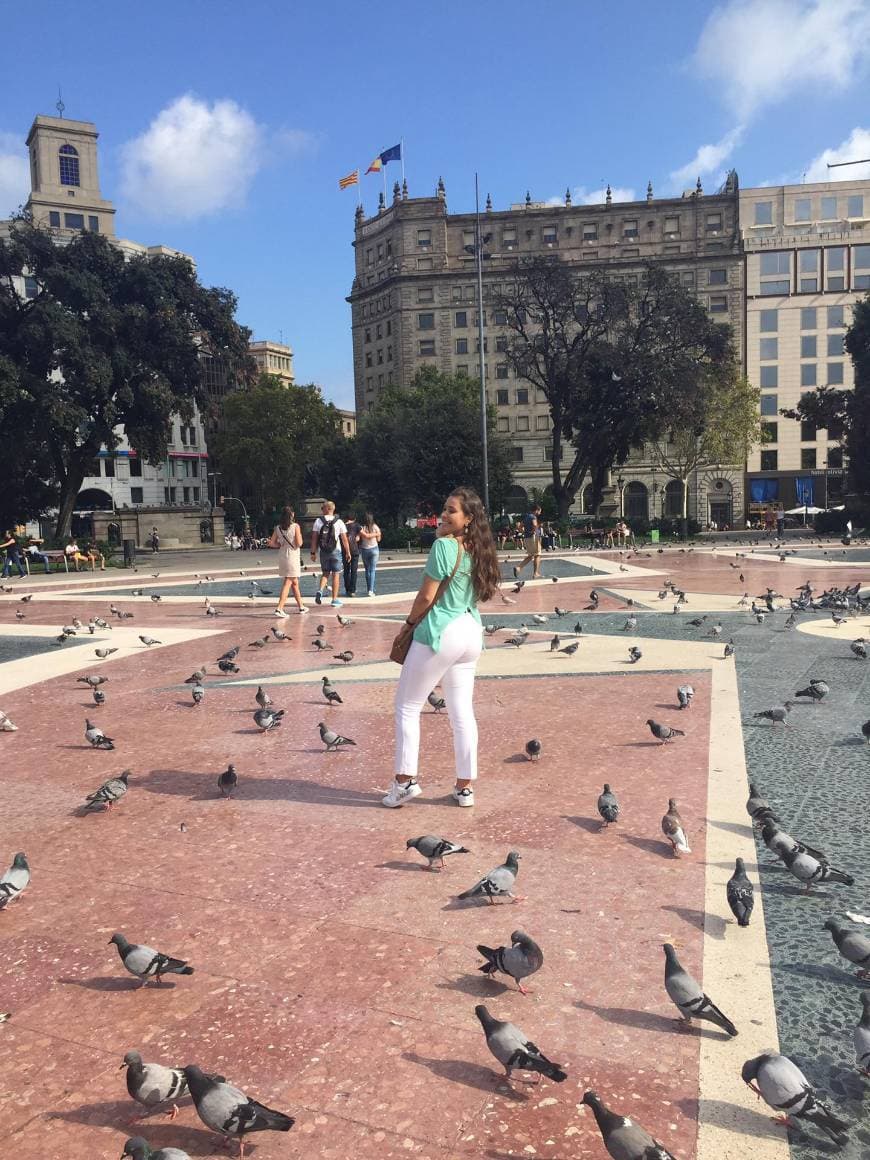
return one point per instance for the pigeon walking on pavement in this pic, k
(262, 697)
(685, 693)
(811, 870)
(608, 806)
(146, 963)
(622, 1137)
(816, 690)
(634, 654)
(570, 649)
(533, 749)
(266, 719)
(784, 1087)
(435, 849)
(332, 740)
(152, 1084)
(513, 1050)
(228, 781)
(6, 724)
(228, 1110)
(740, 894)
(109, 792)
(332, 695)
(96, 737)
(345, 656)
(149, 640)
(437, 703)
(688, 997)
(522, 958)
(674, 831)
(15, 880)
(663, 733)
(197, 692)
(102, 653)
(777, 714)
(852, 945)
(498, 883)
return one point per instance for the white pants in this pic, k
(453, 668)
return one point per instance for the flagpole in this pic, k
(402, 157)
(478, 251)
(359, 186)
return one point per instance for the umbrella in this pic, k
(799, 511)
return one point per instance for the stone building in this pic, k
(273, 358)
(414, 303)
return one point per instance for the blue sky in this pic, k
(225, 126)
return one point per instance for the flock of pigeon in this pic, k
(233, 1113)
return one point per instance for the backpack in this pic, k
(327, 540)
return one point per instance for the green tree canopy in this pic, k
(107, 343)
(419, 443)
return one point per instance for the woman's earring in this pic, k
(467, 526)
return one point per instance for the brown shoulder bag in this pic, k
(402, 642)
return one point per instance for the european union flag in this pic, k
(394, 154)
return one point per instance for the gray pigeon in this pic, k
(228, 1110)
(97, 738)
(320, 644)
(861, 1036)
(816, 690)
(521, 959)
(262, 698)
(15, 880)
(435, 849)
(555, 643)
(197, 692)
(266, 719)
(852, 945)
(634, 654)
(663, 733)
(109, 792)
(685, 693)
(511, 1048)
(859, 648)
(570, 649)
(783, 1086)
(756, 802)
(102, 653)
(622, 1137)
(608, 806)
(332, 740)
(346, 656)
(687, 996)
(740, 894)
(437, 703)
(533, 749)
(498, 883)
(152, 1084)
(810, 870)
(778, 714)
(7, 725)
(138, 1149)
(330, 693)
(146, 963)
(674, 830)
(149, 640)
(99, 696)
(228, 781)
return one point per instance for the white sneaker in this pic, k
(302, 610)
(280, 612)
(400, 793)
(464, 797)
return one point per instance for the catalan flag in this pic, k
(350, 179)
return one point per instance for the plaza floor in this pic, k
(335, 977)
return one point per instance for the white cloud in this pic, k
(759, 52)
(14, 174)
(584, 196)
(854, 148)
(193, 160)
(708, 159)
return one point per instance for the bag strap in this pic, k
(444, 585)
(286, 541)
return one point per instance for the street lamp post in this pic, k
(620, 483)
(224, 499)
(214, 476)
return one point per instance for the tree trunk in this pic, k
(69, 490)
(684, 521)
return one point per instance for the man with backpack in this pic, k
(329, 539)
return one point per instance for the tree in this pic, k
(611, 358)
(107, 344)
(417, 444)
(273, 436)
(719, 423)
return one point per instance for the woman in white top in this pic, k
(369, 538)
(287, 538)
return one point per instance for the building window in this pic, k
(522, 422)
(499, 318)
(517, 454)
(31, 287)
(94, 224)
(509, 236)
(54, 219)
(136, 495)
(74, 221)
(485, 346)
(835, 431)
(501, 398)
(808, 346)
(427, 346)
(501, 371)
(768, 321)
(504, 424)
(185, 495)
(778, 262)
(768, 460)
(670, 249)
(769, 432)
(542, 423)
(69, 165)
(808, 261)
(425, 321)
(462, 369)
(802, 209)
(835, 457)
(460, 318)
(370, 383)
(808, 458)
(829, 209)
(835, 374)
(808, 374)
(378, 331)
(835, 345)
(590, 232)
(808, 317)
(549, 235)
(135, 468)
(855, 205)
(835, 268)
(522, 396)
(671, 227)
(424, 237)
(380, 251)
(389, 353)
(687, 278)
(368, 358)
(425, 264)
(380, 357)
(717, 278)
(629, 228)
(764, 213)
(718, 304)
(462, 346)
(768, 349)
(370, 257)
(768, 377)
(713, 223)
(425, 294)
(389, 328)
(861, 261)
(768, 405)
(808, 431)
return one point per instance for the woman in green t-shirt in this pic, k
(446, 644)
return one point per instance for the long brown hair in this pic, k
(478, 542)
(287, 517)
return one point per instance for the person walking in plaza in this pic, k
(287, 538)
(34, 552)
(369, 546)
(351, 563)
(10, 547)
(531, 542)
(329, 539)
(154, 540)
(462, 570)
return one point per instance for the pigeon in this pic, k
(345, 657)
(99, 697)
(344, 621)
(865, 729)
(634, 654)
(197, 692)
(861, 1036)
(127, 615)
(697, 622)
(212, 611)
(228, 667)
(687, 996)
(19, 615)
(756, 803)
(96, 737)
(674, 831)
(608, 806)
(516, 641)
(555, 643)
(262, 697)
(332, 740)
(729, 650)
(622, 1137)
(511, 1048)
(152, 1084)
(740, 894)
(260, 642)
(435, 849)
(156, 598)
(593, 601)
(562, 611)
(851, 944)
(663, 733)
(320, 644)
(492, 629)
(783, 1086)
(138, 1148)
(320, 629)
(231, 653)
(538, 618)
(437, 703)
(630, 624)
(149, 640)
(26, 599)
(778, 715)
(685, 693)
(102, 653)
(109, 792)
(94, 682)
(521, 959)
(196, 678)
(816, 690)
(498, 883)
(804, 866)
(279, 634)
(570, 649)
(6, 724)
(14, 881)
(578, 628)
(330, 693)
(228, 781)
(266, 719)
(229, 1111)
(533, 749)
(859, 648)
(146, 963)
